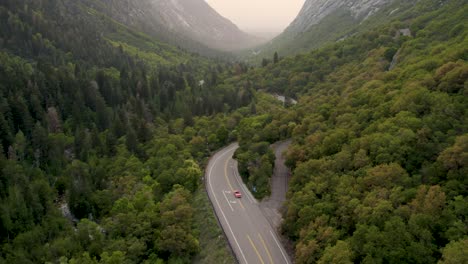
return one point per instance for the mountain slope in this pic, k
(197, 19)
(100, 150)
(314, 11)
(193, 24)
(380, 141)
(327, 21)
(75, 27)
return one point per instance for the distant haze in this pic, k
(260, 17)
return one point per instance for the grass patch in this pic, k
(151, 58)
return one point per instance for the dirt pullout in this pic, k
(272, 206)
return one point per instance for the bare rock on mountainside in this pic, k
(326, 21)
(314, 11)
(197, 19)
(186, 23)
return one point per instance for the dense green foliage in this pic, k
(104, 132)
(255, 158)
(101, 147)
(380, 143)
(267, 123)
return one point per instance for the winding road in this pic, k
(250, 234)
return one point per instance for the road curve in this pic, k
(250, 235)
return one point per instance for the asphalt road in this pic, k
(250, 234)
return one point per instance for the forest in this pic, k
(105, 132)
(379, 155)
(108, 127)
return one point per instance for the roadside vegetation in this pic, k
(379, 153)
(213, 243)
(269, 122)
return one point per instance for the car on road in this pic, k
(237, 194)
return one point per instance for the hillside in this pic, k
(192, 25)
(54, 28)
(105, 129)
(201, 22)
(323, 22)
(379, 153)
(314, 11)
(102, 140)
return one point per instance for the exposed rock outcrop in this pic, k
(179, 22)
(200, 21)
(314, 11)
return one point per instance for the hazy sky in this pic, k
(258, 15)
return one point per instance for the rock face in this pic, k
(321, 22)
(198, 20)
(314, 11)
(186, 23)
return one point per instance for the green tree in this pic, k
(340, 253)
(176, 215)
(455, 252)
(90, 237)
(20, 145)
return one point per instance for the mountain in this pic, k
(77, 31)
(314, 11)
(105, 129)
(100, 139)
(327, 21)
(379, 141)
(191, 24)
(198, 20)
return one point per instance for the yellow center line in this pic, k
(256, 251)
(225, 175)
(240, 202)
(264, 245)
(229, 182)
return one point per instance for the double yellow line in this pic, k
(229, 182)
(256, 250)
(248, 237)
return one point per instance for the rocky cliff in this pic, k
(314, 11)
(326, 21)
(201, 22)
(191, 24)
